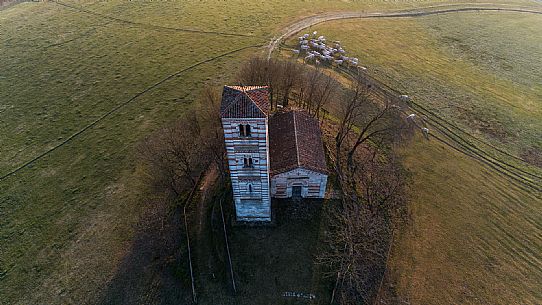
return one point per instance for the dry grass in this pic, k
(67, 220)
(475, 236)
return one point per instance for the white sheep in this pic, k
(425, 131)
(309, 57)
(404, 98)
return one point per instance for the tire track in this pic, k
(150, 26)
(419, 12)
(451, 138)
(463, 143)
(125, 103)
(447, 125)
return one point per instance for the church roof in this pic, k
(245, 102)
(295, 140)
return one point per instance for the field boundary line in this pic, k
(118, 107)
(153, 26)
(86, 33)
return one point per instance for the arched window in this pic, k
(247, 130)
(247, 162)
(250, 188)
(241, 130)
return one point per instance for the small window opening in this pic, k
(250, 188)
(241, 130)
(247, 162)
(247, 130)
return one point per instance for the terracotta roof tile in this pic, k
(244, 102)
(295, 140)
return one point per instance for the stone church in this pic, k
(278, 155)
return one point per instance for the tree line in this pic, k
(176, 155)
(361, 131)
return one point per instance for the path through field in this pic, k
(422, 11)
(475, 236)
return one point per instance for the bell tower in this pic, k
(244, 111)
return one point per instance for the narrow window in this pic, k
(250, 188)
(241, 130)
(247, 130)
(247, 162)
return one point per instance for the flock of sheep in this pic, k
(315, 50)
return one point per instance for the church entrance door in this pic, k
(296, 192)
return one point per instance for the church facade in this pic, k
(269, 155)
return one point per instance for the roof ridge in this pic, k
(257, 106)
(296, 143)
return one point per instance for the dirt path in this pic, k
(418, 12)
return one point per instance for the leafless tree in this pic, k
(258, 71)
(373, 193)
(289, 78)
(172, 156)
(311, 87)
(326, 90)
(350, 114)
(212, 133)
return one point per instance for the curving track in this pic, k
(418, 12)
(458, 139)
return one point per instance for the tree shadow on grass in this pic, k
(153, 271)
(276, 264)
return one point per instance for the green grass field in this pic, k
(475, 236)
(66, 220)
(479, 70)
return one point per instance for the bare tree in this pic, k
(289, 78)
(311, 88)
(350, 114)
(172, 156)
(373, 193)
(212, 135)
(326, 90)
(260, 71)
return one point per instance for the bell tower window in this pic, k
(247, 162)
(244, 130)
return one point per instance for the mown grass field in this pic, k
(475, 237)
(66, 220)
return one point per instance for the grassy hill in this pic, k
(81, 84)
(475, 235)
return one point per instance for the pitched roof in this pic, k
(245, 102)
(295, 140)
